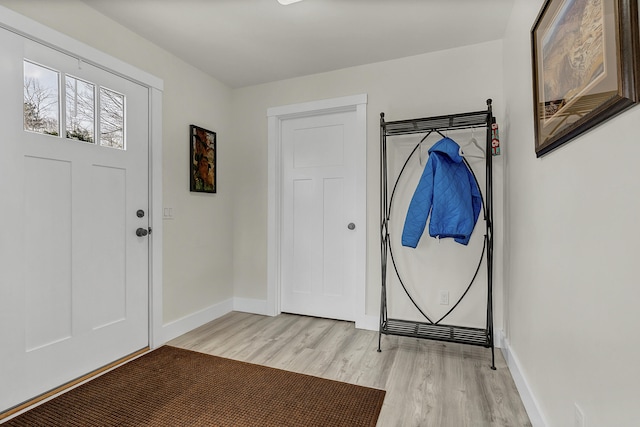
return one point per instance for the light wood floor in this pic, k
(428, 383)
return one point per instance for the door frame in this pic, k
(33, 30)
(275, 117)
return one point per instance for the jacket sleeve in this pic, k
(476, 199)
(476, 206)
(419, 207)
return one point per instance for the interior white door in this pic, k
(319, 210)
(74, 274)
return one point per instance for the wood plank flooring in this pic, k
(428, 383)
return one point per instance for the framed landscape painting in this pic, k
(585, 66)
(202, 160)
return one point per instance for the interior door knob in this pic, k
(141, 232)
(351, 226)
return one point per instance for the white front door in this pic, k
(74, 274)
(319, 244)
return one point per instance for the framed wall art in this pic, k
(202, 160)
(585, 66)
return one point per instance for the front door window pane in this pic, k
(111, 119)
(80, 109)
(41, 94)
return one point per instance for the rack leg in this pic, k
(493, 358)
(379, 339)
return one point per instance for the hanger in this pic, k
(473, 142)
(425, 137)
(420, 146)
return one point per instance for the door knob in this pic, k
(141, 232)
(351, 226)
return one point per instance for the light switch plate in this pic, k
(167, 213)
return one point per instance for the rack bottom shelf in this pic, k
(458, 334)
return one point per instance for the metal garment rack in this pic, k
(430, 329)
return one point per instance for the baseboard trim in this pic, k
(368, 322)
(498, 339)
(250, 305)
(188, 323)
(526, 394)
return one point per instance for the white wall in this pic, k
(573, 278)
(197, 243)
(445, 82)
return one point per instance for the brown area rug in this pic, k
(176, 387)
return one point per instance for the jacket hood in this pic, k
(448, 147)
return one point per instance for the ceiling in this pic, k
(248, 42)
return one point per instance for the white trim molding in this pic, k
(155, 218)
(531, 404)
(276, 115)
(49, 37)
(368, 322)
(250, 305)
(190, 322)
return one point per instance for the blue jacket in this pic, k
(449, 191)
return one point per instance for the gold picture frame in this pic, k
(585, 67)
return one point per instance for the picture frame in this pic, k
(202, 165)
(585, 67)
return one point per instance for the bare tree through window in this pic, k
(80, 109)
(111, 119)
(41, 94)
(42, 100)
